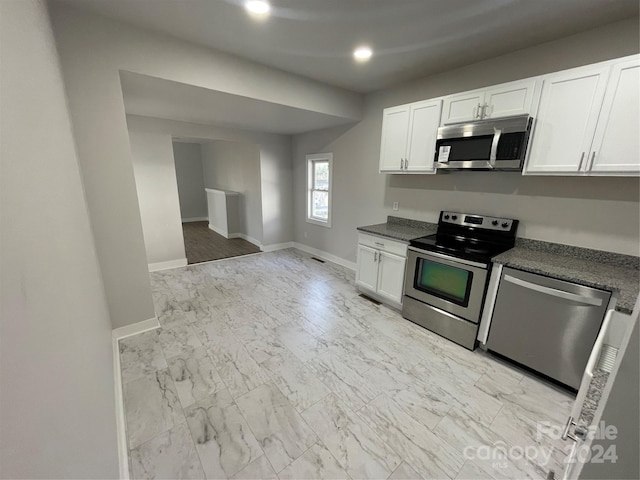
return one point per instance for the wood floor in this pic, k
(203, 244)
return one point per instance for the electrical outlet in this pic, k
(395, 205)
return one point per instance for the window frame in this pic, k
(311, 160)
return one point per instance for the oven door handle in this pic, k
(448, 257)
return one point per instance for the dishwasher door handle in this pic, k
(596, 302)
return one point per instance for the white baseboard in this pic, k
(154, 267)
(121, 426)
(247, 238)
(195, 219)
(325, 255)
(219, 231)
(277, 246)
(135, 328)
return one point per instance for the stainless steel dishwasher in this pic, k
(546, 324)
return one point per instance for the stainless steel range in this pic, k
(447, 273)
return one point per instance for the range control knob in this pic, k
(454, 217)
(494, 223)
(446, 217)
(505, 224)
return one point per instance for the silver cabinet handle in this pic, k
(487, 110)
(477, 112)
(567, 427)
(401, 161)
(375, 257)
(593, 157)
(596, 302)
(406, 163)
(581, 160)
(379, 244)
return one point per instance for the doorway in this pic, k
(200, 166)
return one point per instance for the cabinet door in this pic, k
(393, 145)
(566, 120)
(463, 107)
(391, 276)
(423, 130)
(515, 98)
(615, 146)
(367, 272)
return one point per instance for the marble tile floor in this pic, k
(272, 366)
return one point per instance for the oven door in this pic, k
(451, 284)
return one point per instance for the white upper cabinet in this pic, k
(393, 146)
(463, 107)
(514, 98)
(566, 120)
(615, 146)
(409, 137)
(423, 130)
(587, 121)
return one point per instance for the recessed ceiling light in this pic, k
(257, 7)
(362, 54)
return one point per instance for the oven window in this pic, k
(469, 148)
(449, 283)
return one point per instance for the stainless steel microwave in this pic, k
(495, 144)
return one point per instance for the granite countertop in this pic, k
(592, 399)
(614, 272)
(402, 229)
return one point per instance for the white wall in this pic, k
(235, 166)
(189, 174)
(275, 167)
(155, 176)
(600, 213)
(57, 411)
(93, 49)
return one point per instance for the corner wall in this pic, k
(275, 168)
(189, 174)
(235, 167)
(157, 191)
(57, 415)
(600, 213)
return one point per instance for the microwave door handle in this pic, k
(494, 147)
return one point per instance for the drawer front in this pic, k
(382, 243)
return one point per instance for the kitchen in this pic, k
(599, 213)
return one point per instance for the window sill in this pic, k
(321, 223)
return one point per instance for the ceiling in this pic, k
(410, 38)
(160, 98)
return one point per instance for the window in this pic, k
(319, 188)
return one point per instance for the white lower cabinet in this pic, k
(380, 270)
(367, 275)
(391, 276)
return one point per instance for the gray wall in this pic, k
(57, 409)
(275, 167)
(157, 191)
(190, 177)
(236, 166)
(93, 49)
(601, 213)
